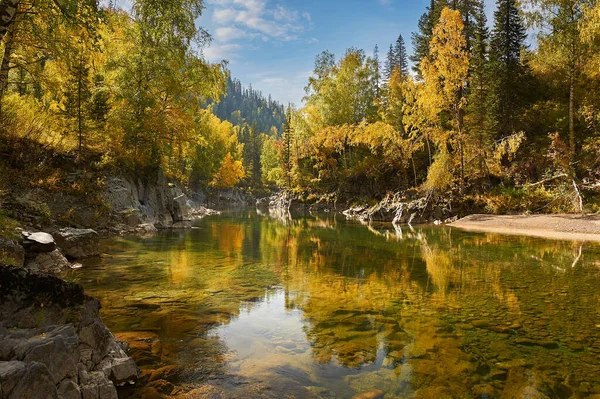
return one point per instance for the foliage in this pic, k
(229, 174)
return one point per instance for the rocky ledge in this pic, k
(53, 343)
(401, 209)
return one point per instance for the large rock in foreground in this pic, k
(78, 243)
(53, 343)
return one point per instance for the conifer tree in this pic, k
(422, 38)
(508, 38)
(390, 63)
(400, 56)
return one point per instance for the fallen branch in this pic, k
(546, 180)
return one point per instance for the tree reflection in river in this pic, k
(322, 307)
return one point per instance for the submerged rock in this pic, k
(78, 243)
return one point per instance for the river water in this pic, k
(246, 305)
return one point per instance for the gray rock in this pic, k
(69, 390)
(11, 252)
(55, 355)
(98, 387)
(121, 371)
(78, 243)
(26, 380)
(48, 262)
(38, 242)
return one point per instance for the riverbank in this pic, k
(559, 227)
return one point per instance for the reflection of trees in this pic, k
(367, 295)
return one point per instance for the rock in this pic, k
(11, 252)
(52, 337)
(54, 354)
(548, 344)
(98, 387)
(523, 383)
(122, 371)
(514, 363)
(480, 323)
(78, 243)
(372, 394)
(48, 262)
(38, 242)
(26, 380)
(69, 390)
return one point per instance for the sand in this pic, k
(560, 227)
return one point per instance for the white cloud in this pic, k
(217, 52)
(265, 19)
(224, 15)
(228, 33)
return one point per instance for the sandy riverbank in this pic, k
(560, 227)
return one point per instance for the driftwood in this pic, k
(545, 180)
(578, 198)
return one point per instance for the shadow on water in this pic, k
(250, 305)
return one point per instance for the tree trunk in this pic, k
(572, 109)
(8, 10)
(5, 66)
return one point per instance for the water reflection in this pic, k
(247, 305)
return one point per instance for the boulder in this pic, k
(78, 243)
(38, 242)
(26, 380)
(11, 252)
(48, 262)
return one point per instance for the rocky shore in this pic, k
(53, 343)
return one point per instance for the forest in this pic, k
(495, 118)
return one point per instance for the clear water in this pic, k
(247, 305)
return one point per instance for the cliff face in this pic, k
(53, 343)
(153, 201)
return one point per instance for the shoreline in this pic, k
(556, 227)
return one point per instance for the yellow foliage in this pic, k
(445, 71)
(230, 173)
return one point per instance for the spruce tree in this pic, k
(510, 75)
(390, 63)
(422, 38)
(400, 56)
(377, 70)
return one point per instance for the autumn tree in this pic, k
(445, 73)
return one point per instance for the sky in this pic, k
(272, 44)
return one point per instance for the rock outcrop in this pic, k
(155, 201)
(398, 209)
(53, 343)
(77, 243)
(11, 252)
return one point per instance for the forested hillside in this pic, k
(482, 117)
(485, 119)
(245, 105)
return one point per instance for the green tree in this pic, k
(508, 71)
(400, 56)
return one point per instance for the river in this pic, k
(245, 305)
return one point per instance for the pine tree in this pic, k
(400, 56)
(508, 38)
(390, 63)
(377, 72)
(422, 38)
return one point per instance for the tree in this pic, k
(229, 174)
(390, 63)
(286, 151)
(400, 56)
(377, 74)
(422, 38)
(445, 73)
(78, 94)
(508, 71)
(560, 46)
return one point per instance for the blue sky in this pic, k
(272, 44)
